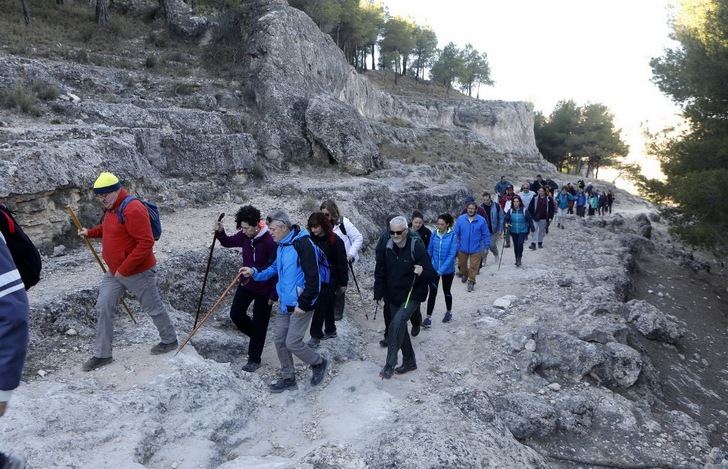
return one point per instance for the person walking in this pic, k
(541, 210)
(580, 203)
(494, 219)
(593, 203)
(14, 321)
(610, 200)
(353, 240)
(519, 223)
(501, 186)
(333, 247)
(468, 200)
(563, 200)
(526, 194)
(127, 248)
(401, 275)
(571, 190)
(418, 225)
(258, 250)
(473, 237)
(443, 250)
(298, 287)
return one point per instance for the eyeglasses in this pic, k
(393, 233)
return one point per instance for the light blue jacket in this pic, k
(296, 266)
(473, 236)
(443, 249)
(563, 199)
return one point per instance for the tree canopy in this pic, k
(695, 162)
(576, 137)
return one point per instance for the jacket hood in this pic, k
(296, 233)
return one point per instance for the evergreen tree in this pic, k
(696, 162)
(425, 50)
(475, 69)
(397, 43)
(448, 66)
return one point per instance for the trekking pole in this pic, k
(207, 271)
(376, 307)
(406, 302)
(79, 226)
(503, 249)
(206, 316)
(353, 275)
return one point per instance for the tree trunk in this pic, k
(102, 13)
(404, 65)
(374, 66)
(26, 13)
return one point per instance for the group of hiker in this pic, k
(306, 270)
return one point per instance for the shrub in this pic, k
(18, 98)
(82, 57)
(309, 205)
(184, 89)
(151, 61)
(45, 91)
(257, 171)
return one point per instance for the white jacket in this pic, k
(352, 239)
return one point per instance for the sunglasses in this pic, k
(396, 232)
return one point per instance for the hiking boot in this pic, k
(283, 384)
(314, 342)
(447, 317)
(464, 278)
(532, 246)
(330, 335)
(161, 348)
(415, 330)
(250, 367)
(319, 372)
(383, 343)
(427, 323)
(95, 362)
(386, 372)
(540, 245)
(518, 261)
(12, 461)
(400, 370)
(471, 286)
(338, 316)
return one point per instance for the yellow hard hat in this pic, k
(105, 183)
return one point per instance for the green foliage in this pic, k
(475, 69)
(695, 162)
(151, 61)
(398, 41)
(425, 50)
(448, 66)
(19, 99)
(574, 136)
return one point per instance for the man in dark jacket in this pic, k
(13, 336)
(538, 183)
(298, 287)
(401, 275)
(541, 209)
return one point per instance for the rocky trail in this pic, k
(549, 379)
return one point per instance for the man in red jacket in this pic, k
(127, 250)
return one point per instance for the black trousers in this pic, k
(399, 338)
(256, 327)
(446, 286)
(518, 240)
(323, 312)
(415, 319)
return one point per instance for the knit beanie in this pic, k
(106, 183)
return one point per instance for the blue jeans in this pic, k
(398, 337)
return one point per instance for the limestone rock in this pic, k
(651, 322)
(621, 368)
(505, 302)
(526, 415)
(340, 134)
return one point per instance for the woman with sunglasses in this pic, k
(259, 251)
(322, 233)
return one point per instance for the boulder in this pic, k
(621, 367)
(338, 134)
(643, 226)
(505, 302)
(651, 322)
(526, 415)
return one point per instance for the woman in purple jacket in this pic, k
(259, 251)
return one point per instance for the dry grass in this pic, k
(408, 86)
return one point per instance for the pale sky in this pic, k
(543, 51)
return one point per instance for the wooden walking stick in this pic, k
(209, 313)
(207, 271)
(77, 222)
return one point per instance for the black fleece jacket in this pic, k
(394, 272)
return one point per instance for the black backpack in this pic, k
(25, 255)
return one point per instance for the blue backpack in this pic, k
(153, 211)
(324, 268)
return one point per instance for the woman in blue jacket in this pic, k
(443, 249)
(520, 223)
